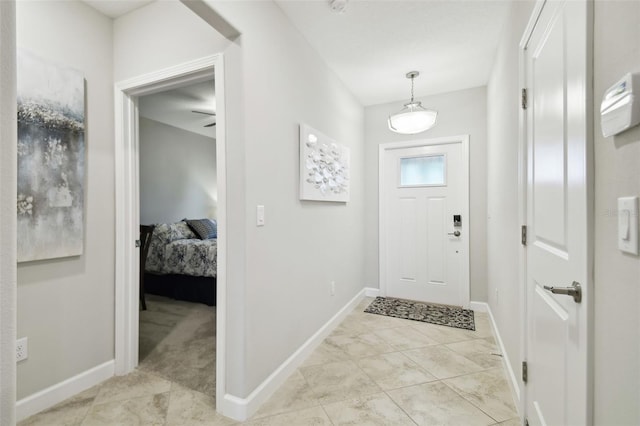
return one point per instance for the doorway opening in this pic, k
(127, 99)
(178, 193)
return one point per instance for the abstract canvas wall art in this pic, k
(51, 156)
(324, 167)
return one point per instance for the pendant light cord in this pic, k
(412, 77)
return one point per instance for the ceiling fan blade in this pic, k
(204, 112)
(210, 125)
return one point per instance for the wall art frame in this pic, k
(51, 159)
(324, 167)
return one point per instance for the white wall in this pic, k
(65, 306)
(617, 275)
(8, 133)
(461, 112)
(160, 35)
(304, 245)
(177, 174)
(503, 223)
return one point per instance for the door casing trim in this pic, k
(127, 206)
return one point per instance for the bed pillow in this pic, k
(182, 231)
(206, 229)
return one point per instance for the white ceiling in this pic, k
(373, 44)
(116, 8)
(174, 107)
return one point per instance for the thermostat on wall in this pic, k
(619, 109)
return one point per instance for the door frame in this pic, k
(589, 170)
(382, 216)
(127, 294)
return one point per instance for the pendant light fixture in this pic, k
(413, 118)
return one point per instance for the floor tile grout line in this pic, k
(461, 394)
(170, 397)
(403, 410)
(327, 414)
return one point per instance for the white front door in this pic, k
(558, 209)
(424, 191)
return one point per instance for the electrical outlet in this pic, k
(22, 349)
(333, 288)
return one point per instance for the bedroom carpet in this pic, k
(451, 316)
(178, 342)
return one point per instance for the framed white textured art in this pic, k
(324, 167)
(51, 158)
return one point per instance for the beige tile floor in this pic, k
(372, 370)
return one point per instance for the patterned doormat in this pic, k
(451, 316)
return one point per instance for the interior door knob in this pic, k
(455, 233)
(575, 291)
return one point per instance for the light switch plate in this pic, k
(628, 224)
(260, 216)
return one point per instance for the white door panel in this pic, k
(407, 223)
(421, 260)
(436, 243)
(556, 62)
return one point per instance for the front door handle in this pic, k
(455, 233)
(575, 291)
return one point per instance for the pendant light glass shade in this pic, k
(413, 118)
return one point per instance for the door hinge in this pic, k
(523, 235)
(524, 98)
(525, 373)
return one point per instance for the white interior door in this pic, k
(558, 206)
(425, 253)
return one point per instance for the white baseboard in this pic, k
(241, 409)
(57, 393)
(479, 306)
(371, 292)
(512, 378)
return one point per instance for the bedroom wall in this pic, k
(460, 112)
(65, 306)
(177, 174)
(617, 274)
(8, 135)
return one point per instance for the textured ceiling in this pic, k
(373, 44)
